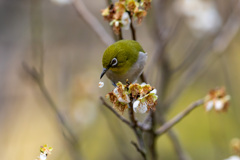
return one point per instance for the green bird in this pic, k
(123, 60)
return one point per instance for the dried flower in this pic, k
(120, 9)
(146, 4)
(134, 90)
(120, 106)
(143, 97)
(120, 13)
(131, 5)
(108, 13)
(217, 99)
(139, 14)
(121, 93)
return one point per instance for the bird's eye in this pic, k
(114, 62)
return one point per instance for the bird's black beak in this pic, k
(103, 72)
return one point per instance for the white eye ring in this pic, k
(114, 62)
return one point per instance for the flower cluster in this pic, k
(217, 99)
(235, 145)
(44, 152)
(142, 96)
(121, 13)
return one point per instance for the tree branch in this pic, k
(116, 113)
(139, 150)
(165, 127)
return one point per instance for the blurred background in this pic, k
(193, 46)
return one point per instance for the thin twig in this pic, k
(165, 127)
(182, 155)
(120, 37)
(92, 21)
(132, 28)
(143, 78)
(152, 137)
(139, 149)
(116, 113)
(229, 30)
(138, 132)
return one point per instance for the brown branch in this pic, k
(137, 130)
(165, 127)
(229, 30)
(143, 78)
(139, 149)
(132, 28)
(116, 113)
(92, 21)
(133, 124)
(182, 155)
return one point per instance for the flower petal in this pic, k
(135, 105)
(154, 91)
(219, 105)
(209, 106)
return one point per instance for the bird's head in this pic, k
(120, 56)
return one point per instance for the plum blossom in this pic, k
(217, 99)
(142, 96)
(44, 152)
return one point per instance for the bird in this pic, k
(123, 61)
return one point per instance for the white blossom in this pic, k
(123, 97)
(125, 21)
(100, 84)
(154, 91)
(209, 106)
(42, 156)
(219, 105)
(233, 158)
(140, 107)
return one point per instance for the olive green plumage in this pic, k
(126, 52)
(123, 60)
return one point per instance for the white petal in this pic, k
(126, 21)
(117, 23)
(115, 91)
(126, 100)
(227, 98)
(233, 158)
(42, 156)
(135, 105)
(154, 91)
(100, 84)
(143, 84)
(218, 105)
(142, 108)
(209, 106)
